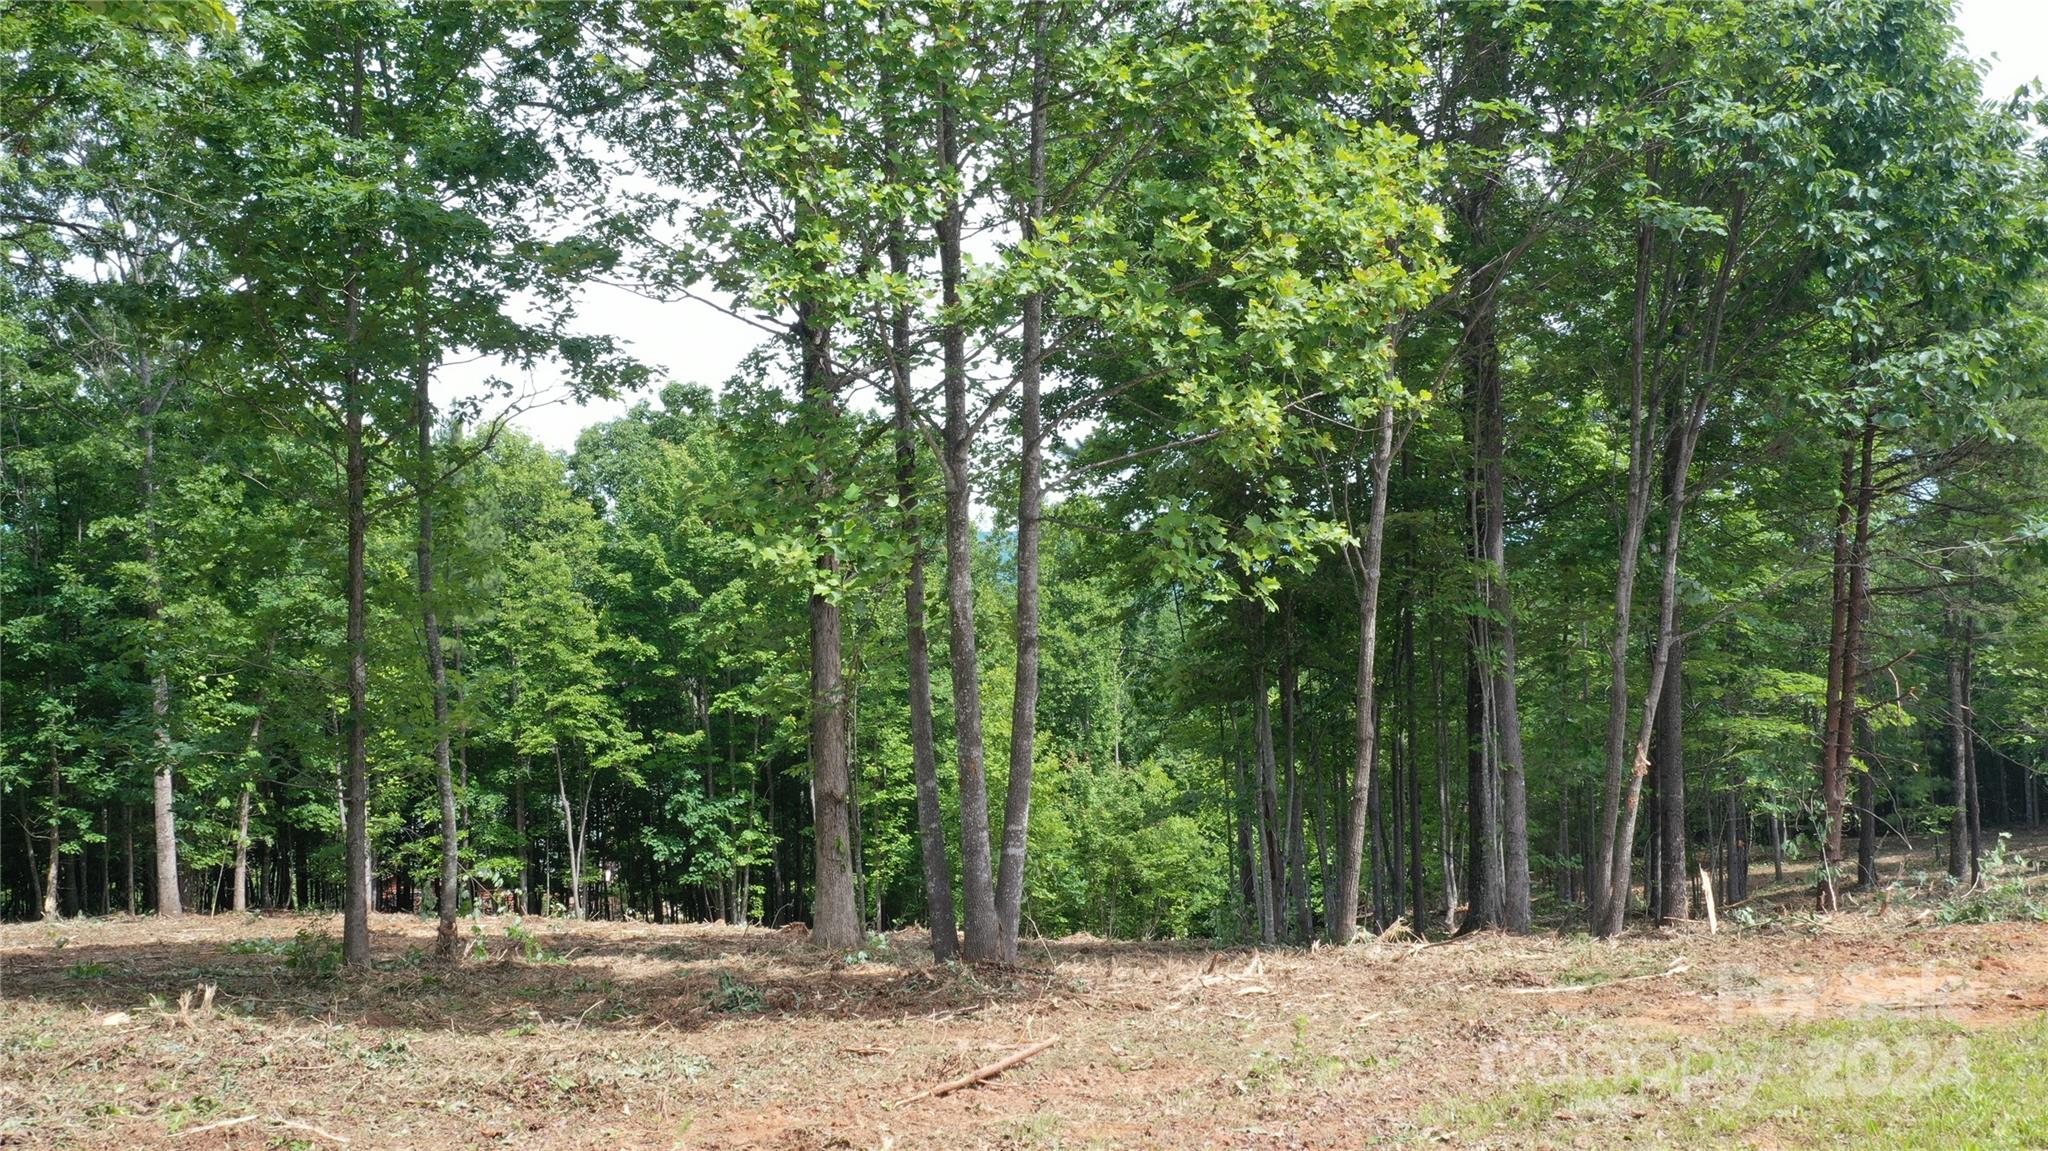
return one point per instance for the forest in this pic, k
(1250, 471)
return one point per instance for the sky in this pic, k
(696, 343)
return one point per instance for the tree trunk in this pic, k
(163, 791)
(519, 832)
(446, 934)
(356, 904)
(1486, 871)
(1446, 847)
(1500, 883)
(1506, 718)
(1959, 761)
(239, 901)
(570, 838)
(1376, 848)
(355, 775)
(1366, 749)
(128, 856)
(835, 912)
(1976, 798)
(1297, 845)
(1030, 497)
(1417, 904)
(50, 899)
(1835, 779)
(1660, 668)
(1738, 845)
(983, 943)
(1609, 897)
(1674, 899)
(1272, 882)
(1866, 809)
(924, 764)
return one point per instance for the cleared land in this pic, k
(1876, 1027)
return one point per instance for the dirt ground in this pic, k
(222, 1032)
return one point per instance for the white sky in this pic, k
(696, 343)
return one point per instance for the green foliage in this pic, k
(733, 995)
(312, 955)
(2008, 888)
(528, 945)
(224, 243)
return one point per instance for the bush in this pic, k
(2001, 892)
(313, 954)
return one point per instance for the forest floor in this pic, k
(1879, 1026)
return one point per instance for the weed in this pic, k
(733, 995)
(876, 950)
(89, 969)
(2000, 893)
(313, 954)
(529, 946)
(261, 945)
(391, 1052)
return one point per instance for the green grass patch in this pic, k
(1846, 1083)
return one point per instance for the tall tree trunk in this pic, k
(1506, 717)
(425, 488)
(1272, 880)
(1610, 872)
(1368, 557)
(1835, 781)
(1660, 667)
(571, 840)
(1500, 833)
(519, 833)
(163, 790)
(355, 733)
(1241, 806)
(1959, 760)
(1376, 848)
(356, 904)
(1738, 846)
(128, 856)
(1417, 903)
(835, 911)
(982, 942)
(1976, 797)
(1030, 498)
(1674, 899)
(1446, 846)
(1838, 633)
(239, 901)
(50, 898)
(1866, 808)
(924, 765)
(1297, 845)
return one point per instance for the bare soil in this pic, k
(199, 1034)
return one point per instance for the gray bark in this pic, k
(1030, 497)
(1368, 558)
(983, 943)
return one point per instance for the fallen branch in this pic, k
(235, 1122)
(311, 1130)
(238, 1120)
(987, 1071)
(1675, 970)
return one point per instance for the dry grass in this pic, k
(632, 1035)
